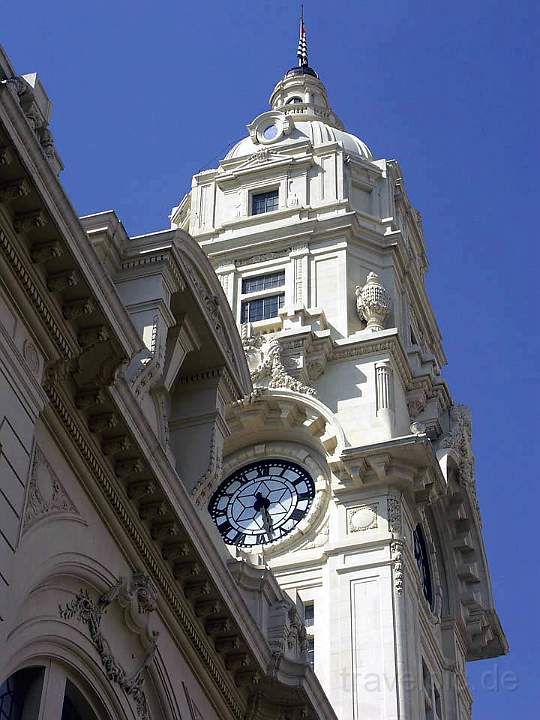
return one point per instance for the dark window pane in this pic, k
(20, 694)
(263, 282)
(309, 614)
(264, 202)
(76, 706)
(311, 651)
(261, 308)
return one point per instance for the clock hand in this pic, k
(261, 505)
(267, 522)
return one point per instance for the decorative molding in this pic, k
(459, 439)
(320, 539)
(394, 516)
(203, 488)
(19, 268)
(46, 495)
(24, 93)
(139, 597)
(286, 632)
(396, 551)
(31, 220)
(362, 518)
(14, 189)
(140, 542)
(30, 354)
(365, 347)
(263, 257)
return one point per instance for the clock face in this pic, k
(421, 557)
(262, 502)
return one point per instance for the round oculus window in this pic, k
(270, 132)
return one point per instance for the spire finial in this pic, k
(302, 53)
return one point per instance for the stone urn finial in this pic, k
(373, 303)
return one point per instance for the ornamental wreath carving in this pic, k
(136, 595)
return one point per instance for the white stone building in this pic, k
(177, 496)
(322, 258)
(118, 358)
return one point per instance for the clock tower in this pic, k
(349, 470)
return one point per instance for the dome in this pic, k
(316, 131)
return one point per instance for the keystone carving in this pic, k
(266, 366)
(373, 303)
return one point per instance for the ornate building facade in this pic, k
(118, 360)
(233, 481)
(322, 258)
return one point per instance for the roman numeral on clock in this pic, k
(238, 539)
(297, 514)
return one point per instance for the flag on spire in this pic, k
(301, 53)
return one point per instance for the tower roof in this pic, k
(300, 110)
(302, 53)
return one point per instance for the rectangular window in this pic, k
(261, 308)
(311, 650)
(263, 282)
(438, 704)
(432, 696)
(309, 615)
(264, 202)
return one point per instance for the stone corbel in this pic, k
(380, 465)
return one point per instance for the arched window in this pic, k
(20, 694)
(24, 696)
(75, 706)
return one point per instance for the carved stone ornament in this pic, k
(362, 518)
(46, 494)
(266, 365)
(459, 439)
(286, 631)
(396, 551)
(394, 516)
(205, 484)
(319, 540)
(138, 597)
(373, 303)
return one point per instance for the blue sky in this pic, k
(147, 93)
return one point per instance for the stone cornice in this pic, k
(55, 204)
(108, 485)
(363, 344)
